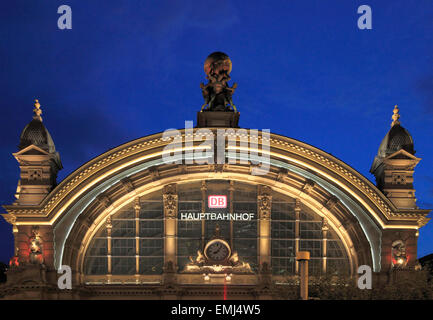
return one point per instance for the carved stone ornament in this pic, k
(325, 226)
(297, 207)
(169, 266)
(331, 202)
(170, 204)
(154, 173)
(282, 174)
(308, 186)
(108, 223)
(35, 245)
(398, 254)
(205, 263)
(265, 206)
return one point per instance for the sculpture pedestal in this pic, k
(223, 119)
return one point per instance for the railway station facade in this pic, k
(131, 224)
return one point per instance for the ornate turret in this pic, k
(394, 165)
(218, 109)
(39, 161)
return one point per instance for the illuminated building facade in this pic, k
(119, 220)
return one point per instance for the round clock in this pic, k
(217, 250)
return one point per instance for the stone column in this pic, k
(264, 203)
(137, 208)
(203, 210)
(170, 199)
(303, 257)
(109, 227)
(325, 229)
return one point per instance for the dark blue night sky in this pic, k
(131, 68)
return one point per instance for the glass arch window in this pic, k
(136, 244)
(297, 228)
(136, 241)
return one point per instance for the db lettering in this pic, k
(217, 202)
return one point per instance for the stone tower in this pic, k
(39, 162)
(394, 165)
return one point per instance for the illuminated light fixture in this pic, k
(228, 277)
(206, 277)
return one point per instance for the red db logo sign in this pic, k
(217, 201)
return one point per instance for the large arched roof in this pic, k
(361, 199)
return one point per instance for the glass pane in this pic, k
(151, 265)
(245, 229)
(123, 228)
(283, 211)
(151, 210)
(151, 228)
(283, 229)
(126, 213)
(188, 247)
(313, 246)
(283, 248)
(151, 247)
(337, 267)
(315, 266)
(96, 265)
(335, 249)
(311, 230)
(98, 247)
(123, 247)
(123, 265)
(189, 229)
(282, 266)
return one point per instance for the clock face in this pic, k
(217, 250)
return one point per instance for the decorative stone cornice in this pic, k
(104, 200)
(331, 203)
(10, 218)
(219, 167)
(154, 173)
(127, 185)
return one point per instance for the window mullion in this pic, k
(297, 232)
(137, 236)
(109, 227)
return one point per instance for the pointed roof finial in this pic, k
(37, 111)
(395, 116)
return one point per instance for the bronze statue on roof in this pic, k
(217, 93)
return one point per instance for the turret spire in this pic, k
(395, 116)
(37, 111)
